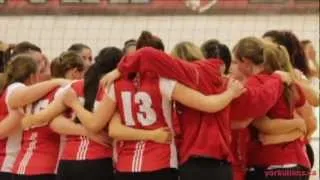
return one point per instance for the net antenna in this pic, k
(195, 5)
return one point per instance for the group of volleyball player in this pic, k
(140, 113)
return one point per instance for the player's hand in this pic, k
(162, 135)
(26, 122)
(265, 139)
(70, 98)
(235, 87)
(101, 138)
(285, 76)
(31, 121)
(110, 77)
(301, 125)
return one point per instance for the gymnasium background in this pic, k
(56, 24)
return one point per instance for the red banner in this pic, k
(157, 7)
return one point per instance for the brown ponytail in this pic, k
(277, 58)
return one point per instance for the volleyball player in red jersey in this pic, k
(80, 152)
(298, 60)
(15, 93)
(274, 60)
(83, 158)
(205, 76)
(143, 159)
(38, 156)
(291, 154)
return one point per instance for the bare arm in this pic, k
(10, 123)
(312, 95)
(65, 126)
(267, 139)
(306, 112)
(278, 126)
(44, 116)
(93, 121)
(29, 94)
(118, 131)
(201, 102)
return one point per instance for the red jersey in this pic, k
(291, 153)
(145, 104)
(9, 146)
(81, 147)
(40, 145)
(205, 76)
(240, 139)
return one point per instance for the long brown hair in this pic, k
(296, 52)
(277, 58)
(19, 69)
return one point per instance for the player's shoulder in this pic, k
(77, 85)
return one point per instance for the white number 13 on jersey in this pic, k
(146, 115)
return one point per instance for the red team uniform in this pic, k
(9, 146)
(240, 139)
(284, 155)
(197, 126)
(40, 145)
(145, 104)
(81, 147)
(83, 158)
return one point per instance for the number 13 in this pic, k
(146, 115)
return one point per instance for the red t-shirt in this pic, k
(205, 76)
(280, 154)
(40, 145)
(240, 139)
(145, 103)
(81, 147)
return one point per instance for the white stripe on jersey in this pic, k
(137, 157)
(80, 148)
(61, 149)
(140, 158)
(134, 160)
(13, 146)
(166, 87)
(85, 148)
(27, 156)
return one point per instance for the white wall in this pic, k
(55, 33)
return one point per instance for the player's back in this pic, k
(81, 147)
(145, 103)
